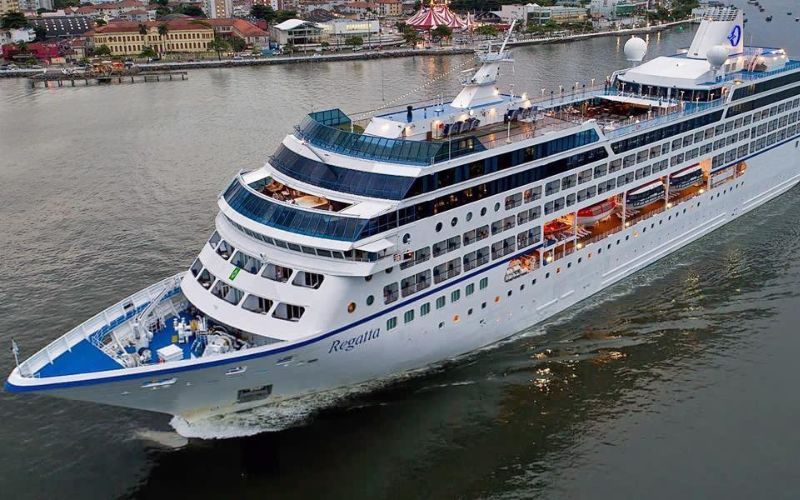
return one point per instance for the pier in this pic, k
(53, 79)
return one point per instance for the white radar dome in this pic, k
(635, 49)
(717, 55)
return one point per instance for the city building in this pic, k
(338, 30)
(8, 6)
(390, 8)
(219, 9)
(297, 32)
(124, 37)
(63, 26)
(250, 33)
(16, 36)
(32, 5)
(557, 14)
(612, 9)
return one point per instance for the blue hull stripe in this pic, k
(199, 366)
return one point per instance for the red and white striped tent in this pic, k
(428, 18)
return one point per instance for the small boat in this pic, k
(686, 178)
(645, 195)
(594, 213)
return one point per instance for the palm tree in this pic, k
(162, 32)
(218, 45)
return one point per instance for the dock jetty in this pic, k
(58, 79)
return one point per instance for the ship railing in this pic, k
(691, 108)
(98, 326)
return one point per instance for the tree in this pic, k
(288, 48)
(148, 52)
(354, 41)
(284, 15)
(41, 33)
(14, 20)
(487, 30)
(264, 12)
(191, 10)
(162, 3)
(102, 50)
(411, 36)
(163, 30)
(237, 43)
(100, 21)
(441, 32)
(22, 47)
(218, 45)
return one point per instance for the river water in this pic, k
(678, 382)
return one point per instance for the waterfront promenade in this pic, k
(316, 57)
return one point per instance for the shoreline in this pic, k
(365, 55)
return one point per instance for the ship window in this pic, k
(370, 300)
(476, 235)
(532, 194)
(206, 278)
(225, 249)
(476, 258)
(227, 292)
(569, 181)
(391, 323)
(197, 266)
(440, 302)
(415, 283)
(277, 273)
(448, 245)
(308, 280)
(455, 295)
(288, 312)
(585, 176)
(501, 225)
(503, 247)
(552, 187)
(257, 304)
(513, 201)
(470, 289)
(246, 262)
(446, 270)
(484, 283)
(390, 293)
(215, 238)
(408, 316)
(425, 309)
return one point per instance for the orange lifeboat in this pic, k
(597, 212)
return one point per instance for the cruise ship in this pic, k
(367, 248)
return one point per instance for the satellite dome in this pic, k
(635, 49)
(717, 55)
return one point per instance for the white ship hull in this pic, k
(365, 352)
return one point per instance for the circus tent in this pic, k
(430, 17)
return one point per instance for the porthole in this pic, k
(497, 206)
(627, 237)
(406, 238)
(483, 305)
(599, 250)
(389, 270)
(533, 282)
(496, 299)
(456, 318)
(509, 293)
(370, 300)
(351, 307)
(469, 312)
(441, 325)
(438, 226)
(521, 288)
(580, 259)
(483, 211)
(546, 275)
(569, 264)
(558, 270)
(368, 278)
(454, 221)
(608, 247)
(469, 216)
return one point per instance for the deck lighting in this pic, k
(669, 205)
(702, 190)
(579, 245)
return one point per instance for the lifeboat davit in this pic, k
(597, 212)
(645, 195)
(686, 178)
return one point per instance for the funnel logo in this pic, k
(736, 36)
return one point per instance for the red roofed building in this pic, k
(183, 35)
(249, 32)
